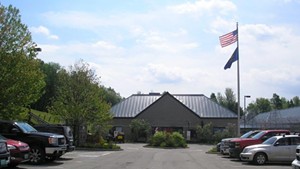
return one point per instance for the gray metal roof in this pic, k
(284, 116)
(199, 104)
(275, 119)
(133, 105)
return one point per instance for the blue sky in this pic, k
(172, 45)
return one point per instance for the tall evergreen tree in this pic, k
(213, 97)
(276, 102)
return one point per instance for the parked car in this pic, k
(4, 154)
(237, 145)
(19, 151)
(296, 162)
(59, 129)
(42, 145)
(224, 144)
(275, 149)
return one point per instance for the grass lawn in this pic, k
(49, 118)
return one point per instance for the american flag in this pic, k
(229, 38)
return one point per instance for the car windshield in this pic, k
(258, 135)
(26, 127)
(270, 141)
(248, 134)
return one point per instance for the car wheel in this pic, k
(260, 158)
(37, 155)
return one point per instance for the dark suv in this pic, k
(59, 129)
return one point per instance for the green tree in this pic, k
(276, 102)
(213, 97)
(296, 101)
(285, 103)
(140, 128)
(205, 133)
(51, 76)
(221, 99)
(229, 100)
(79, 100)
(111, 96)
(21, 80)
(263, 105)
(228, 132)
(15, 36)
(259, 106)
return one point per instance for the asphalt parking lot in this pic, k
(136, 156)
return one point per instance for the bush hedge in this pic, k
(167, 139)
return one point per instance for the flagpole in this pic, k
(238, 81)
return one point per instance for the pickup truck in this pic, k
(224, 144)
(237, 145)
(43, 146)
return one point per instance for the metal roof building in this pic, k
(181, 112)
(277, 119)
(199, 104)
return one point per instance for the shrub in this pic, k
(204, 134)
(140, 128)
(179, 140)
(158, 138)
(165, 139)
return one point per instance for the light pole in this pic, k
(246, 96)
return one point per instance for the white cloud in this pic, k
(160, 73)
(203, 6)
(104, 45)
(74, 19)
(220, 26)
(164, 50)
(44, 31)
(268, 56)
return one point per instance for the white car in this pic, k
(275, 149)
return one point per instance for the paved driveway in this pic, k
(136, 156)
